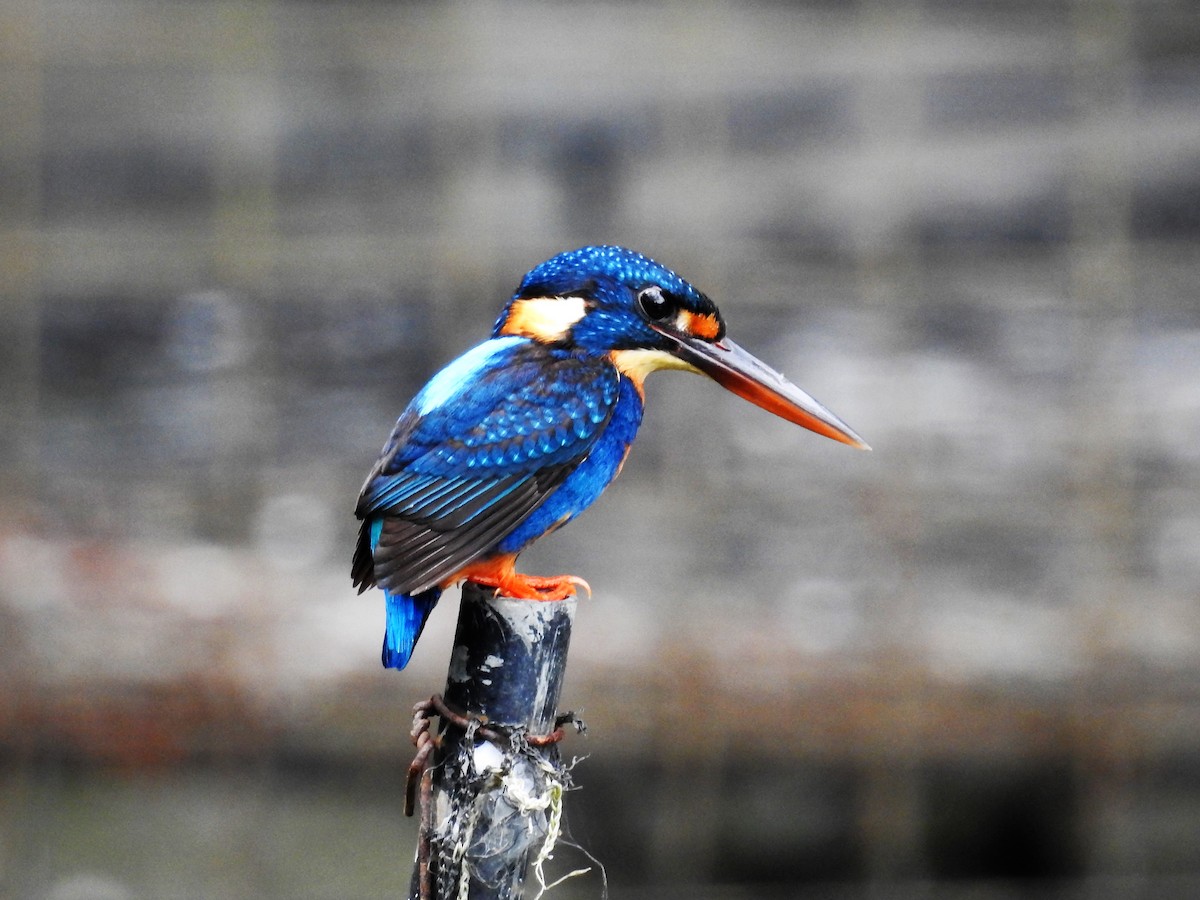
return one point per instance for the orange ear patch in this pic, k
(699, 324)
(546, 319)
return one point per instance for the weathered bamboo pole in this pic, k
(492, 798)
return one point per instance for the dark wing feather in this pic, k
(454, 480)
(417, 551)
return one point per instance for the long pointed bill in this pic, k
(751, 379)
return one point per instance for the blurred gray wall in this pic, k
(235, 237)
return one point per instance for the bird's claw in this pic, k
(560, 587)
(535, 587)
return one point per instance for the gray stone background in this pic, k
(236, 236)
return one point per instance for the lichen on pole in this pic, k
(492, 799)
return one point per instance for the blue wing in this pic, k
(477, 451)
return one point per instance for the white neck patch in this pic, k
(545, 319)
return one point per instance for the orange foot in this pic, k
(499, 573)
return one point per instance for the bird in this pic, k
(521, 433)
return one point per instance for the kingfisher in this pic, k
(520, 434)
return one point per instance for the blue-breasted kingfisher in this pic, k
(520, 434)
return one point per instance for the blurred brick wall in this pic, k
(237, 236)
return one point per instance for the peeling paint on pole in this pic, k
(509, 658)
(497, 808)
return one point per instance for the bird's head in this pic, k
(615, 302)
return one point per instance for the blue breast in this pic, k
(588, 481)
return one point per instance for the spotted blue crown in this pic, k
(600, 272)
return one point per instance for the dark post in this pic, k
(492, 798)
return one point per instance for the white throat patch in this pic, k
(637, 364)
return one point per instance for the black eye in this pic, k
(655, 304)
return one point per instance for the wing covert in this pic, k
(456, 478)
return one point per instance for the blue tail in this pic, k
(405, 620)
